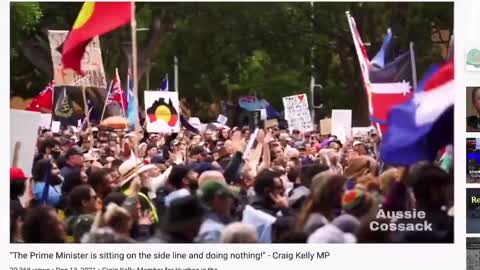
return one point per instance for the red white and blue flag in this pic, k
(43, 102)
(422, 126)
(116, 95)
(387, 82)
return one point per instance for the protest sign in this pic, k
(23, 135)
(249, 103)
(56, 126)
(222, 119)
(162, 111)
(361, 131)
(297, 113)
(326, 126)
(342, 123)
(92, 63)
(45, 120)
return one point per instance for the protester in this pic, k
(219, 200)
(42, 225)
(73, 160)
(239, 233)
(207, 187)
(82, 202)
(17, 183)
(324, 204)
(100, 181)
(46, 189)
(181, 223)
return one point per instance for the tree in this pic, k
(226, 50)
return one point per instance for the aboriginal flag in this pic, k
(161, 111)
(94, 19)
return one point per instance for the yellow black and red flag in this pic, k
(94, 19)
(161, 111)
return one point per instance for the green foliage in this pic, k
(226, 50)
(26, 15)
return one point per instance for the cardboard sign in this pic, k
(326, 126)
(23, 133)
(342, 123)
(92, 63)
(297, 113)
(222, 119)
(162, 111)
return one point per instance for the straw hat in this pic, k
(129, 169)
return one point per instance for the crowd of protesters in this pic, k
(114, 186)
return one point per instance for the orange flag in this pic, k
(94, 19)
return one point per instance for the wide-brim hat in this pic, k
(129, 169)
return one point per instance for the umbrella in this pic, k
(115, 122)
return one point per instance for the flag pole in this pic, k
(85, 102)
(175, 69)
(53, 104)
(134, 67)
(135, 78)
(87, 115)
(106, 99)
(414, 68)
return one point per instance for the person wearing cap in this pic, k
(73, 160)
(219, 200)
(181, 222)
(360, 148)
(284, 139)
(18, 185)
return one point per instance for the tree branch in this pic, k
(37, 56)
(156, 36)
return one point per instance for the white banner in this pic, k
(162, 111)
(92, 63)
(297, 113)
(24, 130)
(342, 123)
